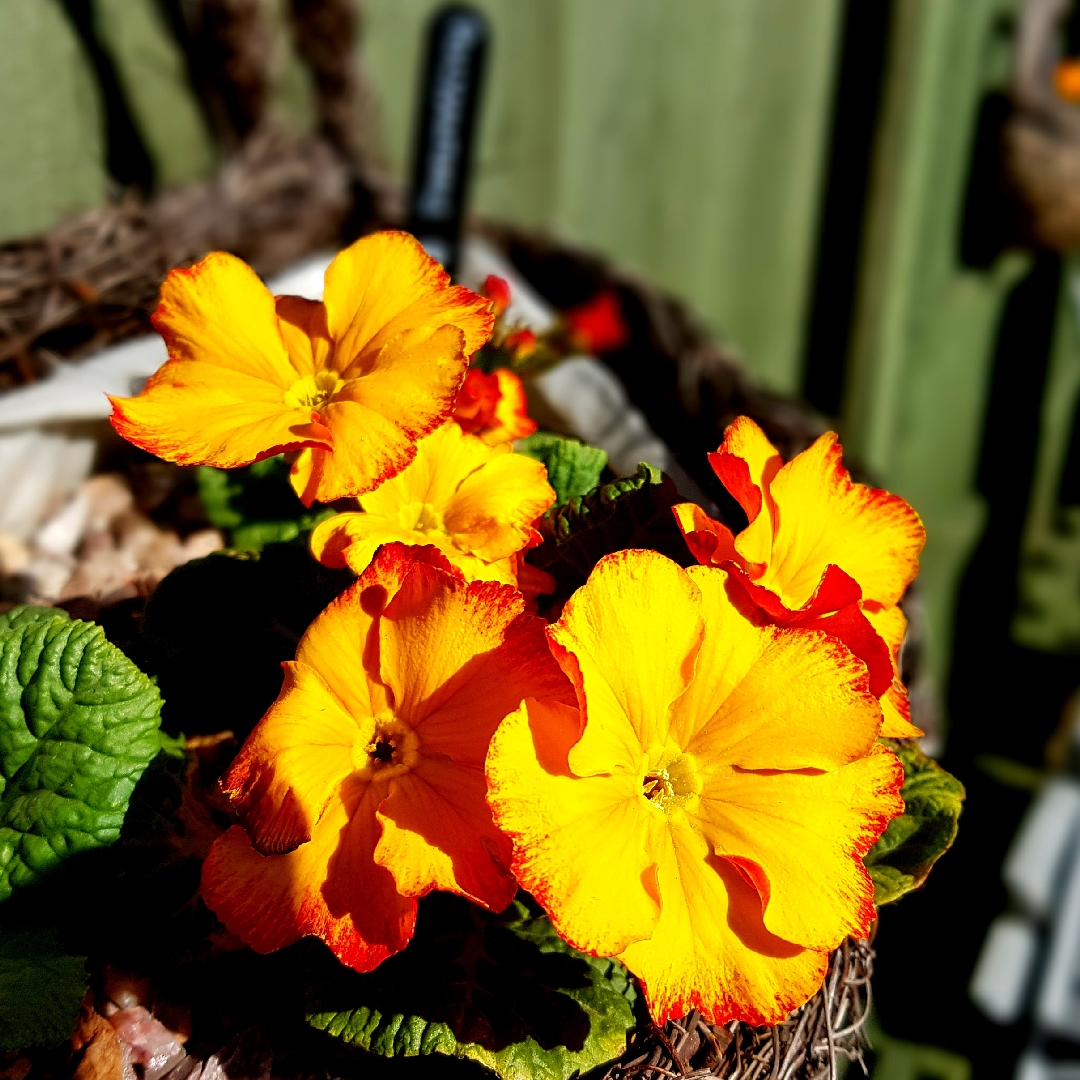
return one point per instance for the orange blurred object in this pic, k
(1067, 79)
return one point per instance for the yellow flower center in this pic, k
(421, 517)
(670, 780)
(393, 749)
(313, 391)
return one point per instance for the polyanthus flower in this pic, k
(362, 788)
(476, 503)
(493, 407)
(703, 813)
(820, 551)
(349, 383)
(597, 326)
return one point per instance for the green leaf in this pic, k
(41, 988)
(78, 726)
(502, 990)
(632, 512)
(573, 467)
(256, 505)
(909, 847)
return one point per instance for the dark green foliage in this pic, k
(909, 847)
(216, 630)
(78, 726)
(574, 467)
(632, 512)
(501, 990)
(256, 505)
(41, 988)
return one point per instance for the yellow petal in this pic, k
(294, 761)
(580, 845)
(386, 283)
(377, 416)
(824, 518)
(763, 697)
(459, 656)
(330, 887)
(218, 312)
(494, 508)
(342, 644)
(891, 624)
(710, 949)
(628, 639)
(302, 325)
(801, 837)
(438, 834)
(443, 460)
(196, 413)
(746, 464)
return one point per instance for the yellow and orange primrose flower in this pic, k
(494, 407)
(820, 552)
(477, 504)
(362, 788)
(702, 814)
(349, 383)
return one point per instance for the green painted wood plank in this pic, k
(1048, 607)
(153, 76)
(925, 324)
(51, 149)
(685, 140)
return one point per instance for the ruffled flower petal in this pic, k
(476, 503)
(763, 697)
(386, 284)
(437, 833)
(891, 625)
(492, 513)
(628, 639)
(831, 819)
(330, 887)
(219, 313)
(376, 418)
(426, 662)
(581, 846)
(824, 518)
(291, 765)
(710, 950)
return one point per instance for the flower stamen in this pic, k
(313, 391)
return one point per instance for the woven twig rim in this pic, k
(809, 1045)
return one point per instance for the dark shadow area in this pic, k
(215, 631)
(992, 219)
(126, 156)
(856, 108)
(1002, 699)
(468, 969)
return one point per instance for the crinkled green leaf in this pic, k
(78, 726)
(632, 512)
(909, 847)
(502, 990)
(41, 988)
(573, 467)
(256, 505)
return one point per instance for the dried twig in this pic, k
(806, 1046)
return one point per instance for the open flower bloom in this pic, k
(704, 811)
(820, 551)
(350, 383)
(363, 787)
(493, 407)
(476, 503)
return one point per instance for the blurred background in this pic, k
(870, 205)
